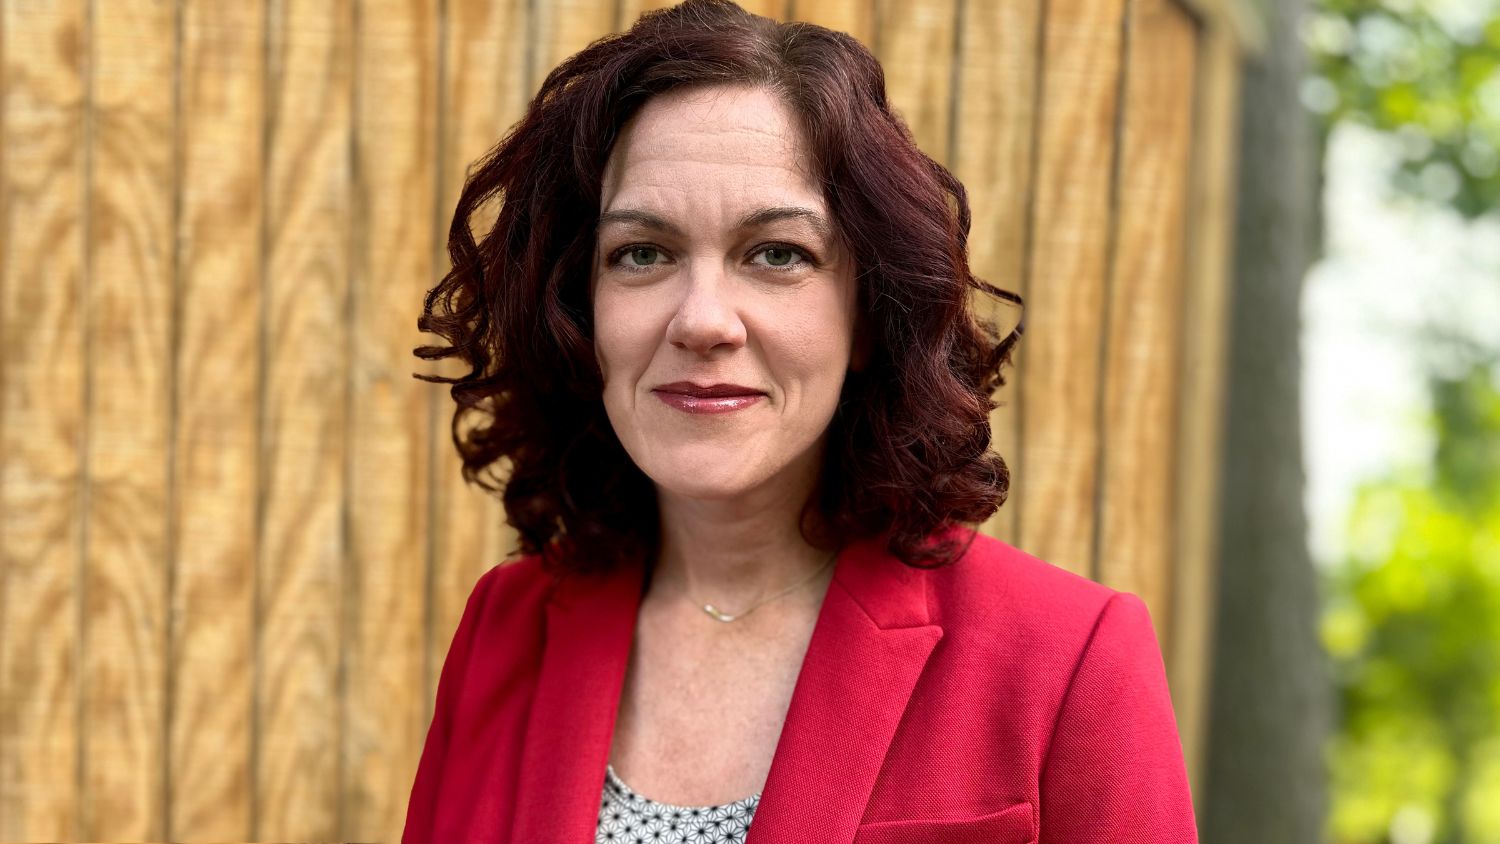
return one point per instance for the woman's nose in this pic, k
(706, 318)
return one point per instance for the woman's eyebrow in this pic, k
(761, 217)
(641, 218)
(785, 212)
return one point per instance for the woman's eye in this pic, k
(781, 256)
(641, 256)
(777, 257)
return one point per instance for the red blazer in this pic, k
(1000, 700)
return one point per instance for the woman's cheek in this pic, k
(621, 338)
(602, 361)
(607, 323)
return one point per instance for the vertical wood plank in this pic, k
(1057, 472)
(994, 116)
(856, 17)
(483, 96)
(628, 11)
(914, 42)
(396, 111)
(218, 378)
(301, 594)
(1202, 384)
(43, 248)
(130, 333)
(1137, 479)
(561, 28)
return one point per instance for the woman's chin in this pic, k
(721, 479)
(723, 470)
(703, 488)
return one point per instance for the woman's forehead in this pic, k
(738, 140)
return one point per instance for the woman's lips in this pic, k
(708, 404)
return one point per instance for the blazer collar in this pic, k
(871, 641)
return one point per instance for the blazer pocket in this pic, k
(1011, 825)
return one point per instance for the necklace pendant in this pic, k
(721, 616)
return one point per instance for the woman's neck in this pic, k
(733, 554)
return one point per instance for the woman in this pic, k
(720, 332)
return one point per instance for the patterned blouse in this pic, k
(625, 816)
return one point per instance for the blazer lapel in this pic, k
(590, 626)
(870, 643)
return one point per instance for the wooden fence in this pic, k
(233, 541)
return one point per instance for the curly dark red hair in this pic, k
(909, 445)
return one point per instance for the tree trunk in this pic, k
(1270, 702)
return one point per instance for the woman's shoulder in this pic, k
(995, 572)
(996, 590)
(512, 590)
(524, 571)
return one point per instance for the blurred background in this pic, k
(1259, 385)
(1401, 426)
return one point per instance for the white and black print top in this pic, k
(625, 816)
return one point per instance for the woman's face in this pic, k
(717, 267)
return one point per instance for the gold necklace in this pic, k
(726, 617)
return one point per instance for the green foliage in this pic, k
(1411, 618)
(1427, 72)
(1411, 623)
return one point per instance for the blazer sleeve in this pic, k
(1114, 769)
(421, 808)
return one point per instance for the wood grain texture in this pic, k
(856, 17)
(395, 131)
(1242, 22)
(996, 108)
(482, 97)
(1202, 384)
(628, 11)
(561, 28)
(302, 598)
(217, 381)
(1057, 473)
(42, 263)
(914, 42)
(130, 334)
(1137, 507)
